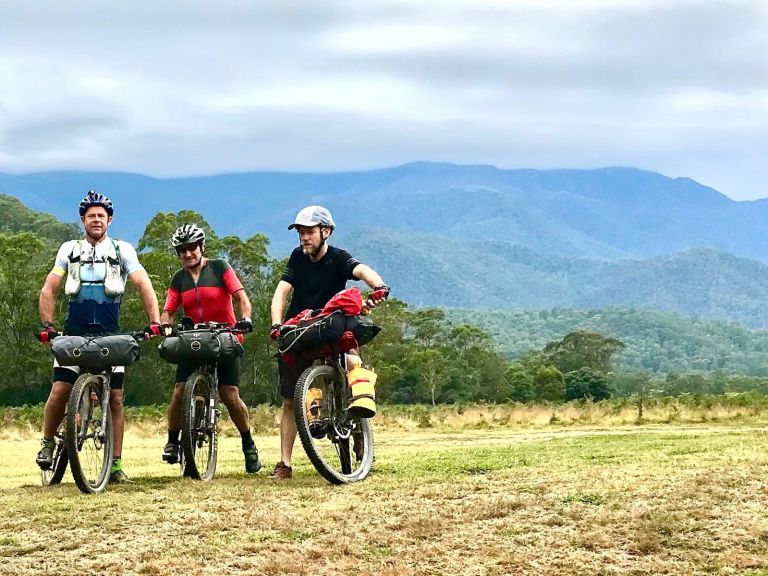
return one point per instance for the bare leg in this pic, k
(287, 431)
(55, 407)
(174, 409)
(118, 420)
(238, 411)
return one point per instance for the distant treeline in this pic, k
(422, 356)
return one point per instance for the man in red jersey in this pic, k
(205, 289)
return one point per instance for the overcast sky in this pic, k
(189, 88)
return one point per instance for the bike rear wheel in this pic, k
(55, 473)
(339, 445)
(88, 441)
(199, 440)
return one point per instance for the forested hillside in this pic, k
(16, 217)
(654, 341)
(422, 355)
(429, 270)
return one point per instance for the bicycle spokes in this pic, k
(338, 444)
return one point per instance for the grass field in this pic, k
(662, 498)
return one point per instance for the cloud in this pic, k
(203, 87)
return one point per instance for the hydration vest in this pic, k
(114, 284)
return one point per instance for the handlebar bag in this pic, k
(199, 347)
(95, 351)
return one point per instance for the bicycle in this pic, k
(84, 440)
(201, 345)
(338, 442)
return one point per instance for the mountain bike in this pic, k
(201, 345)
(84, 439)
(338, 441)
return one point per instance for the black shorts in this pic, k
(289, 375)
(70, 374)
(227, 371)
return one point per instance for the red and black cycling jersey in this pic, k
(210, 300)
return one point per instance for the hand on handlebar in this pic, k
(155, 330)
(379, 294)
(274, 331)
(245, 325)
(48, 333)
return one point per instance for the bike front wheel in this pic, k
(89, 434)
(339, 445)
(199, 440)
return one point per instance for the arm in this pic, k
(367, 275)
(242, 303)
(48, 297)
(148, 297)
(282, 292)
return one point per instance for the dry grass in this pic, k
(656, 499)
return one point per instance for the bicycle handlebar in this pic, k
(138, 335)
(217, 327)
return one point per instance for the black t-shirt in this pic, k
(314, 283)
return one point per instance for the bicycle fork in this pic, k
(102, 433)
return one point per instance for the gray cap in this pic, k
(313, 216)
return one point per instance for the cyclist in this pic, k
(315, 272)
(205, 288)
(94, 271)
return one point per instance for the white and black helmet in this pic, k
(313, 216)
(188, 234)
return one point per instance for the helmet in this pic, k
(313, 216)
(93, 198)
(188, 234)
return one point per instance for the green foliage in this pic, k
(427, 356)
(587, 383)
(548, 384)
(581, 349)
(15, 218)
(23, 267)
(653, 341)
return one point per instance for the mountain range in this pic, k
(479, 236)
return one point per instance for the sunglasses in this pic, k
(186, 248)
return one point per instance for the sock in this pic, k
(173, 436)
(117, 464)
(246, 439)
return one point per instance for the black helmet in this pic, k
(93, 198)
(188, 234)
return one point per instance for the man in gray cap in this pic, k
(314, 274)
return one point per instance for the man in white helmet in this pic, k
(315, 272)
(206, 289)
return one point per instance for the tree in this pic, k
(587, 383)
(432, 366)
(583, 350)
(429, 326)
(24, 263)
(519, 383)
(549, 384)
